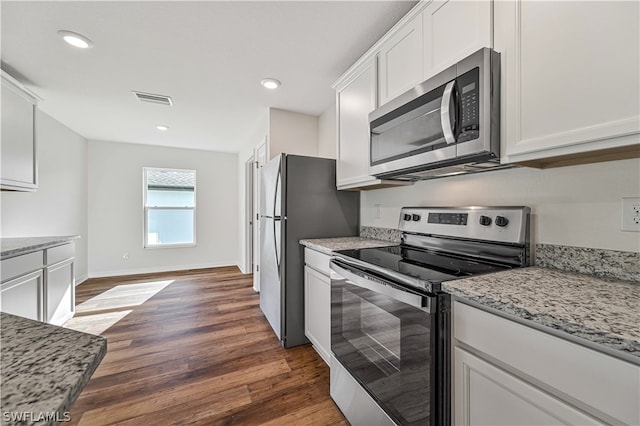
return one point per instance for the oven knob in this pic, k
(485, 220)
(416, 217)
(407, 217)
(502, 221)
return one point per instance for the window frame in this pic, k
(145, 210)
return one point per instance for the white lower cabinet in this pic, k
(317, 302)
(487, 395)
(60, 292)
(506, 373)
(23, 296)
(40, 285)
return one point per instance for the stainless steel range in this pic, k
(390, 321)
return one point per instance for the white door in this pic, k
(260, 156)
(250, 217)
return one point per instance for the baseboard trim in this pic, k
(137, 271)
(81, 279)
(243, 269)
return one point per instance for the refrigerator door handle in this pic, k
(277, 217)
(275, 245)
(276, 191)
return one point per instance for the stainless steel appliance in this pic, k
(449, 124)
(390, 321)
(298, 200)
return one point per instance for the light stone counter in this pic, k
(44, 368)
(11, 247)
(594, 310)
(329, 245)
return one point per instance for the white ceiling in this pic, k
(209, 56)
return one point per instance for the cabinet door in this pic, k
(570, 81)
(453, 30)
(317, 311)
(23, 296)
(355, 101)
(60, 292)
(400, 62)
(487, 395)
(18, 149)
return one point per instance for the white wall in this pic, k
(327, 143)
(59, 206)
(574, 206)
(292, 133)
(116, 213)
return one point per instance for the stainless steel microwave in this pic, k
(447, 125)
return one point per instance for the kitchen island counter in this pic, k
(44, 368)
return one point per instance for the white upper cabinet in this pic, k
(453, 30)
(356, 99)
(400, 61)
(18, 149)
(570, 80)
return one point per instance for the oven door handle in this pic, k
(384, 273)
(426, 303)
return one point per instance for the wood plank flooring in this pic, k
(194, 348)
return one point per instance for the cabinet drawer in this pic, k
(590, 380)
(318, 261)
(59, 253)
(21, 265)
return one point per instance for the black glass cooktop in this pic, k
(425, 265)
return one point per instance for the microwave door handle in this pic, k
(447, 129)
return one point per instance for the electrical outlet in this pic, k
(631, 214)
(125, 255)
(377, 213)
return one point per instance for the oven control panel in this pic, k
(499, 224)
(448, 218)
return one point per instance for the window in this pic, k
(169, 207)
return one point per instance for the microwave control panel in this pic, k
(468, 84)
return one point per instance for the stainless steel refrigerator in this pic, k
(298, 200)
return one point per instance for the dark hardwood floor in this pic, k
(194, 348)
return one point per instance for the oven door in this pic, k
(390, 340)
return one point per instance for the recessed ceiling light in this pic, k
(162, 128)
(270, 83)
(75, 39)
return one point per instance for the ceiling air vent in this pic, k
(154, 99)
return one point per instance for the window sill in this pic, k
(164, 246)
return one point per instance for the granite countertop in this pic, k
(44, 368)
(329, 245)
(595, 310)
(11, 247)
